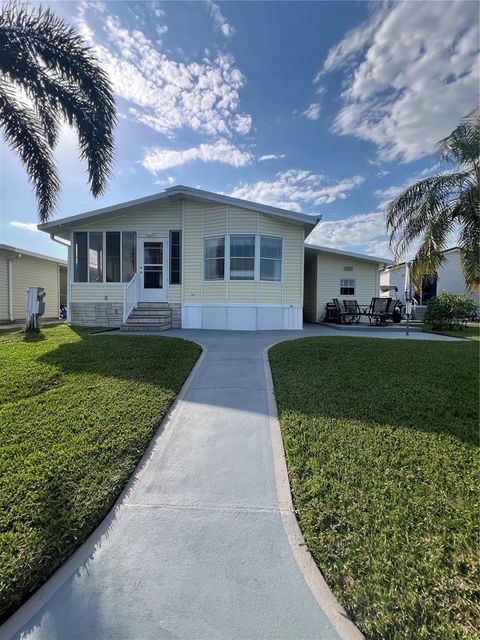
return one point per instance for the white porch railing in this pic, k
(131, 292)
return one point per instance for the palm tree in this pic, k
(431, 209)
(48, 75)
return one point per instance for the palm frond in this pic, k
(24, 133)
(462, 146)
(63, 79)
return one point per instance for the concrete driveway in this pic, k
(203, 544)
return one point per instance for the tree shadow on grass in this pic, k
(430, 387)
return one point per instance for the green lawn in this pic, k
(76, 414)
(381, 439)
(471, 332)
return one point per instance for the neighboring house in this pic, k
(334, 273)
(449, 278)
(188, 258)
(20, 269)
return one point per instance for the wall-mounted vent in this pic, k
(348, 268)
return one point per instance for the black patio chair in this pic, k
(379, 311)
(352, 311)
(340, 312)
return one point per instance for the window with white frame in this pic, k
(104, 257)
(270, 259)
(347, 287)
(214, 258)
(242, 257)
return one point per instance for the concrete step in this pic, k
(145, 327)
(152, 305)
(151, 313)
(148, 320)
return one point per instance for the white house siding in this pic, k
(197, 220)
(331, 269)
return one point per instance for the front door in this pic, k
(153, 267)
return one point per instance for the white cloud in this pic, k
(312, 112)
(293, 189)
(271, 156)
(165, 94)
(219, 21)
(364, 233)
(157, 159)
(382, 173)
(162, 29)
(25, 226)
(411, 76)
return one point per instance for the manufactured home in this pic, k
(20, 269)
(195, 259)
(449, 278)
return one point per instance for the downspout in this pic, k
(10, 290)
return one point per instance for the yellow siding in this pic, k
(3, 288)
(293, 251)
(241, 220)
(330, 270)
(157, 219)
(192, 251)
(214, 220)
(28, 271)
(96, 292)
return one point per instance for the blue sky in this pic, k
(322, 107)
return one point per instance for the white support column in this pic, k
(10, 290)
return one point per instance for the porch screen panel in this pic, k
(80, 249)
(112, 253)
(95, 256)
(129, 257)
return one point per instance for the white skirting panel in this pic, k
(242, 317)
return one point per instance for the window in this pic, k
(80, 249)
(95, 256)
(214, 258)
(242, 257)
(347, 287)
(175, 257)
(112, 256)
(270, 259)
(89, 248)
(129, 255)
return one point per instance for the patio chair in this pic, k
(379, 311)
(340, 312)
(352, 311)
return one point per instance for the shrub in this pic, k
(450, 311)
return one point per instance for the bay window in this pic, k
(270, 259)
(214, 258)
(104, 257)
(242, 257)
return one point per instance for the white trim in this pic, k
(242, 316)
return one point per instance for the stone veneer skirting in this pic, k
(110, 314)
(96, 314)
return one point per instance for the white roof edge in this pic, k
(303, 218)
(349, 254)
(32, 254)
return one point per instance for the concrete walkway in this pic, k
(203, 544)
